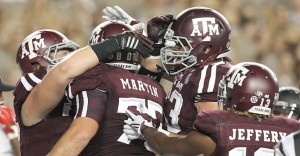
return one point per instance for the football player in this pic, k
(246, 126)
(194, 49)
(288, 103)
(198, 58)
(117, 87)
(38, 52)
(40, 105)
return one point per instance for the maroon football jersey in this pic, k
(199, 85)
(40, 138)
(116, 90)
(237, 135)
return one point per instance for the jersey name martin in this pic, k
(256, 135)
(139, 85)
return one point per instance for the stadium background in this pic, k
(265, 31)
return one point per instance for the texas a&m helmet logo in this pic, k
(237, 78)
(32, 45)
(208, 25)
(96, 36)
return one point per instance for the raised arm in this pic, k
(47, 95)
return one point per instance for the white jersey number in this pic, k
(174, 113)
(242, 151)
(124, 103)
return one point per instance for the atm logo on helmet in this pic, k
(34, 43)
(95, 38)
(208, 24)
(237, 77)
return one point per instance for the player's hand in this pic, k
(129, 41)
(131, 131)
(156, 30)
(7, 121)
(140, 121)
(118, 14)
(133, 41)
(157, 27)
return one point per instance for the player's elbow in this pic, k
(29, 119)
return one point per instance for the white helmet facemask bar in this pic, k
(176, 56)
(222, 94)
(67, 44)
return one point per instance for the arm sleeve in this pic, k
(91, 104)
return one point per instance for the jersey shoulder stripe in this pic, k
(208, 78)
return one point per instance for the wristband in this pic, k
(105, 48)
(157, 47)
(155, 76)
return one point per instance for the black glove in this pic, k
(156, 29)
(129, 41)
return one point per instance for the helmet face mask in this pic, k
(34, 52)
(222, 94)
(124, 59)
(52, 55)
(176, 57)
(201, 28)
(249, 87)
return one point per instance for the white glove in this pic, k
(140, 121)
(131, 132)
(118, 14)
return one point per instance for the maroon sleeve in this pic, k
(23, 88)
(89, 80)
(91, 104)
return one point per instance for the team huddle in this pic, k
(107, 98)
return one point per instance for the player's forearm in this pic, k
(75, 138)
(169, 145)
(67, 147)
(74, 65)
(158, 141)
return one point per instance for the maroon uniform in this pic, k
(40, 138)
(237, 135)
(199, 85)
(116, 89)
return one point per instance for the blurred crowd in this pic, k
(265, 31)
